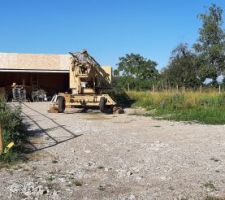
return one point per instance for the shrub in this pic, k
(13, 129)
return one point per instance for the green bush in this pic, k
(13, 130)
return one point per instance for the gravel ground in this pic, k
(97, 156)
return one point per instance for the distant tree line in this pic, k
(187, 67)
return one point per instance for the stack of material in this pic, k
(39, 95)
(19, 93)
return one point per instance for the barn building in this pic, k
(48, 72)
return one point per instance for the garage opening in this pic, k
(51, 82)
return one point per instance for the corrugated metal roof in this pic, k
(36, 62)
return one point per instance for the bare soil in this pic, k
(97, 156)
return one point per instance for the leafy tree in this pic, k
(182, 69)
(136, 72)
(210, 47)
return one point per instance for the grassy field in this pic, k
(205, 107)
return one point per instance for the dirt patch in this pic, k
(96, 116)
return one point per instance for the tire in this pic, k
(102, 104)
(103, 107)
(61, 104)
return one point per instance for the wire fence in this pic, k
(201, 89)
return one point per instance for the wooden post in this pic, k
(219, 89)
(177, 88)
(1, 140)
(200, 89)
(128, 87)
(153, 88)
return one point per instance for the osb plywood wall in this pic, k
(34, 61)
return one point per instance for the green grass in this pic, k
(207, 108)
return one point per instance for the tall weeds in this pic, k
(206, 107)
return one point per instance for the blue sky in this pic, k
(108, 29)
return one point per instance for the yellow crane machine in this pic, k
(90, 85)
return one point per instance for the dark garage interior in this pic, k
(51, 82)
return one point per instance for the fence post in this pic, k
(1, 140)
(128, 87)
(219, 89)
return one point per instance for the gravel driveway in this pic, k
(96, 156)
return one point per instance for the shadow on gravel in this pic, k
(30, 147)
(122, 99)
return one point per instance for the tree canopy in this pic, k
(136, 72)
(182, 70)
(210, 47)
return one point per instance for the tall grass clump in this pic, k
(13, 131)
(203, 107)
